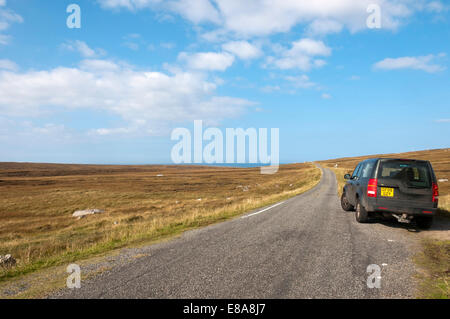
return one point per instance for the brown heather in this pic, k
(37, 202)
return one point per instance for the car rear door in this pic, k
(405, 183)
(364, 176)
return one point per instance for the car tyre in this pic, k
(361, 214)
(424, 222)
(345, 203)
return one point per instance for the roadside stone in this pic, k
(7, 261)
(82, 213)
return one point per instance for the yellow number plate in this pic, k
(387, 192)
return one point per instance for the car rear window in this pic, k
(412, 173)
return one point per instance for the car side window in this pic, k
(367, 169)
(356, 171)
(361, 170)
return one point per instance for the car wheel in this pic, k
(424, 222)
(362, 216)
(345, 203)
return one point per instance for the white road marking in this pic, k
(262, 211)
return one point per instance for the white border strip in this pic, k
(262, 211)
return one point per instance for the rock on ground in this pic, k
(82, 213)
(7, 261)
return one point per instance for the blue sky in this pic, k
(113, 90)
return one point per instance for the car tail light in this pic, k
(372, 187)
(435, 192)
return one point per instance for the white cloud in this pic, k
(25, 132)
(265, 17)
(301, 81)
(291, 85)
(309, 47)
(99, 66)
(242, 49)
(443, 121)
(133, 36)
(132, 41)
(8, 65)
(423, 63)
(7, 17)
(132, 5)
(301, 55)
(324, 26)
(131, 45)
(208, 61)
(147, 101)
(114, 131)
(260, 18)
(270, 88)
(48, 128)
(168, 45)
(218, 35)
(436, 7)
(82, 48)
(196, 11)
(4, 39)
(326, 96)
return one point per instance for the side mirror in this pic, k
(347, 176)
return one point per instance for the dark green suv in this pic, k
(392, 188)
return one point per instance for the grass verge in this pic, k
(434, 279)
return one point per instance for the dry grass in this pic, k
(435, 258)
(434, 282)
(444, 203)
(37, 202)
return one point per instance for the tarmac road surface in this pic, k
(305, 247)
